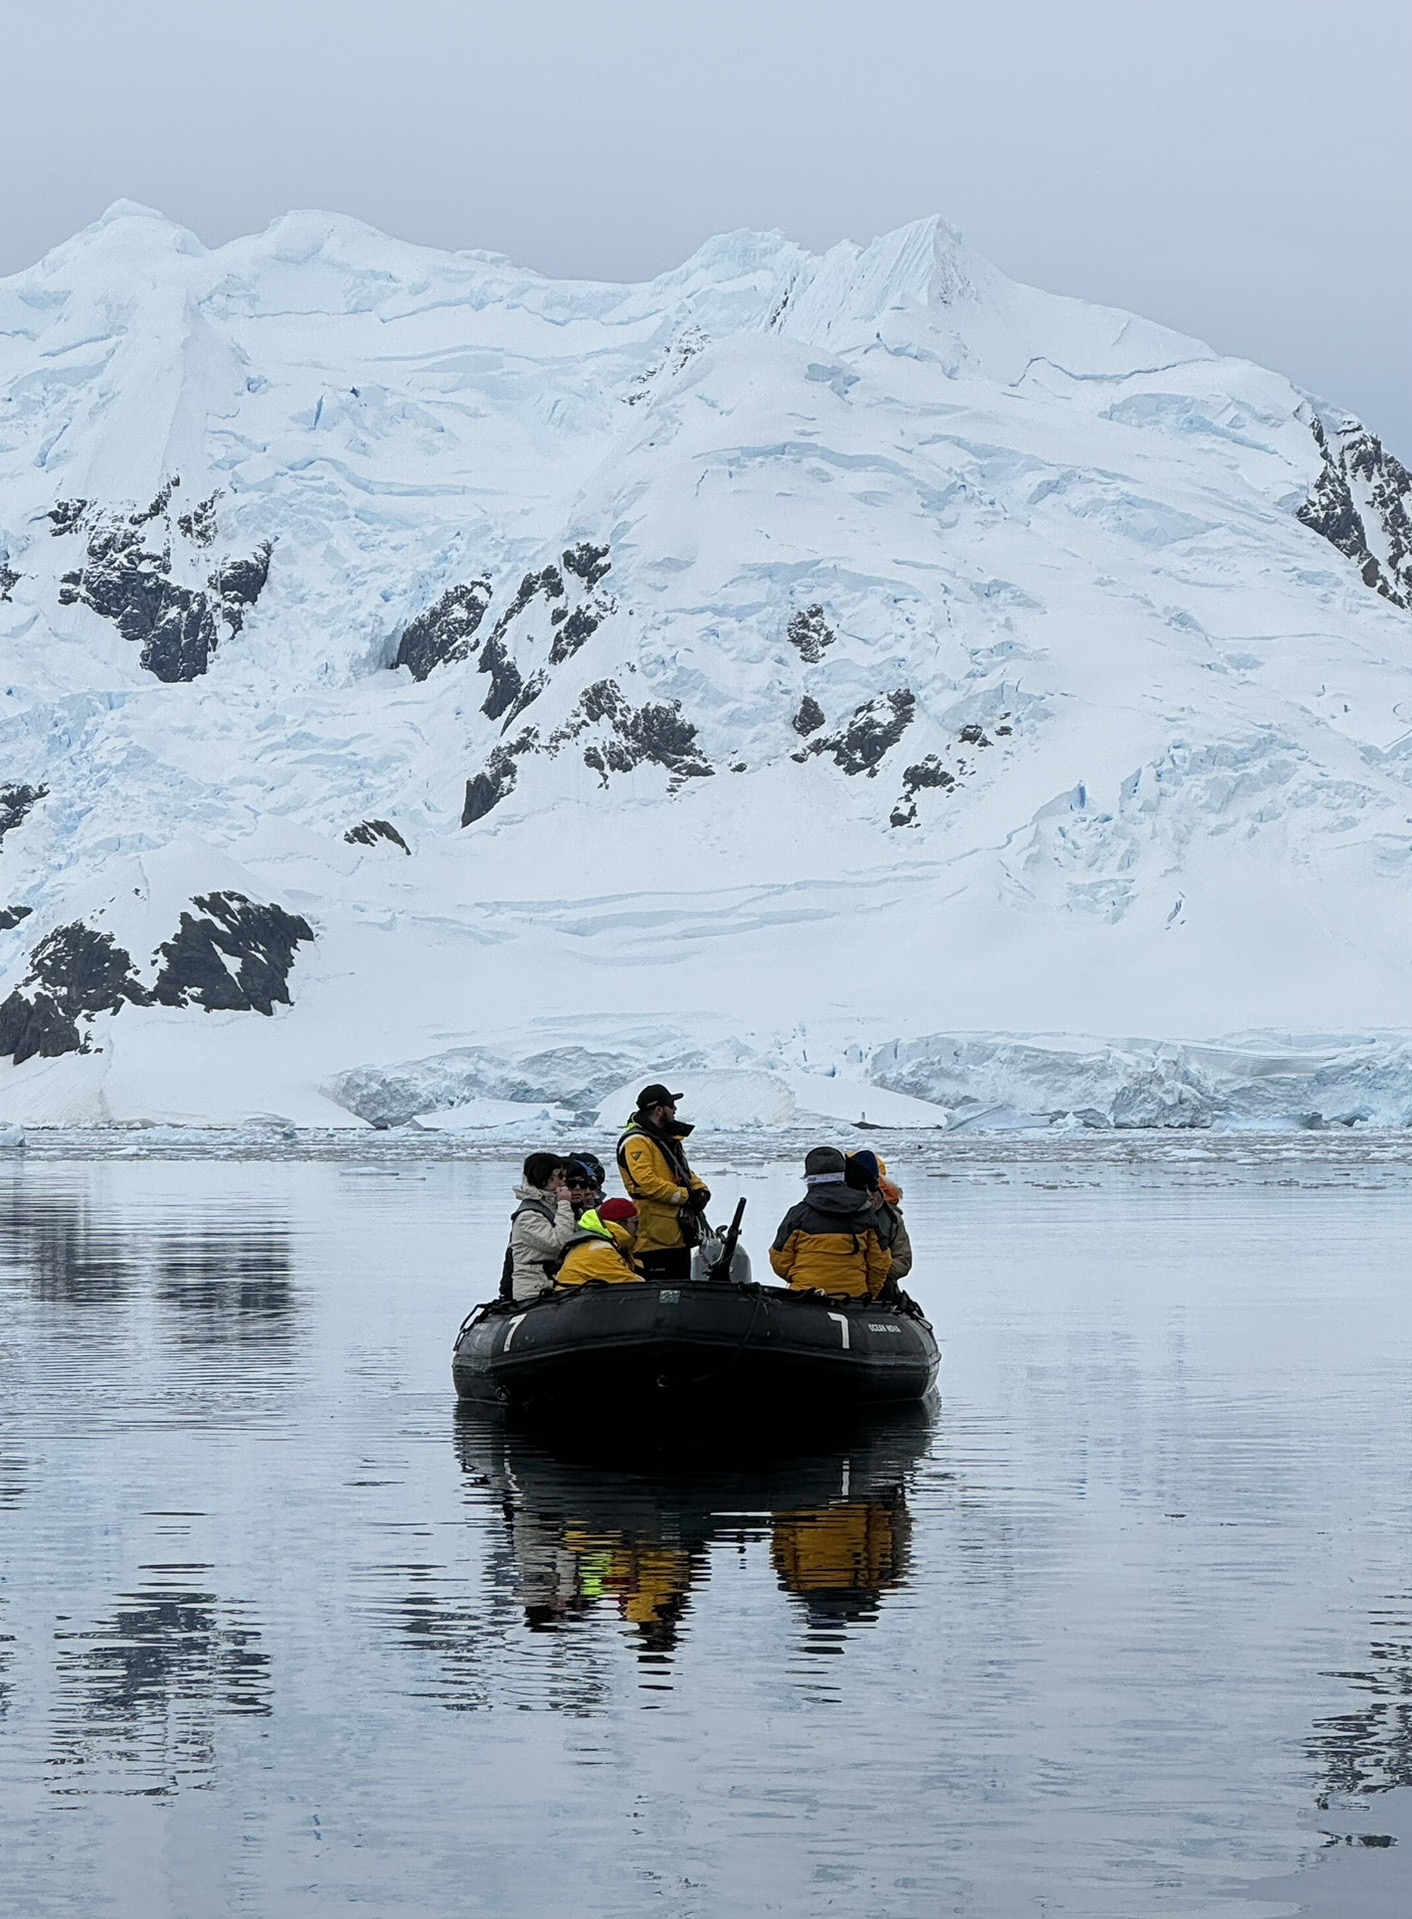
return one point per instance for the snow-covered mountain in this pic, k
(427, 682)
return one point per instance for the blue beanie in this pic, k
(862, 1171)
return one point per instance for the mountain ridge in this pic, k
(1087, 644)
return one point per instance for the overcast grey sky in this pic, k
(1237, 168)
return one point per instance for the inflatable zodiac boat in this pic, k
(747, 1348)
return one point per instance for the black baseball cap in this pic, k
(656, 1095)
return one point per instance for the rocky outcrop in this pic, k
(12, 916)
(9, 579)
(631, 736)
(239, 583)
(1362, 504)
(16, 802)
(809, 718)
(945, 772)
(810, 632)
(234, 957)
(590, 563)
(495, 782)
(369, 832)
(199, 525)
(445, 632)
(128, 576)
(624, 737)
(75, 973)
(506, 681)
(579, 625)
(872, 731)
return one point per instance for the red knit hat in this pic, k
(618, 1211)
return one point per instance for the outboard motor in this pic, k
(720, 1259)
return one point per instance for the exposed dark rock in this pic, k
(199, 525)
(159, 505)
(809, 718)
(1361, 483)
(445, 632)
(8, 579)
(590, 563)
(183, 636)
(526, 696)
(66, 516)
(494, 783)
(654, 733)
(973, 735)
(177, 627)
(235, 958)
(10, 916)
(811, 633)
(74, 974)
(580, 625)
(506, 680)
(36, 1027)
(16, 803)
(550, 583)
(926, 773)
(369, 832)
(661, 735)
(873, 731)
(239, 583)
(506, 684)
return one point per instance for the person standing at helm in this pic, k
(832, 1241)
(670, 1198)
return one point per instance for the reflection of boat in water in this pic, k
(738, 1347)
(629, 1522)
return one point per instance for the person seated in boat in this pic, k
(670, 1197)
(541, 1226)
(832, 1241)
(586, 1179)
(868, 1173)
(602, 1247)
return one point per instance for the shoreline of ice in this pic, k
(1365, 1159)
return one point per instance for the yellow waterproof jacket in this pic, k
(657, 1176)
(831, 1240)
(601, 1251)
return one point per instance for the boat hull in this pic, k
(757, 1348)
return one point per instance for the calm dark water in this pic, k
(1119, 1627)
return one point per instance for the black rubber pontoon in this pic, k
(752, 1348)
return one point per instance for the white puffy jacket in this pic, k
(541, 1231)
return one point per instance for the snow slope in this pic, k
(419, 673)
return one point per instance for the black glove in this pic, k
(698, 1198)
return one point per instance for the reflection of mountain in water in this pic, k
(1370, 1749)
(59, 1250)
(228, 1288)
(140, 1694)
(222, 1279)
(7, 1640)
(625, 1529)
